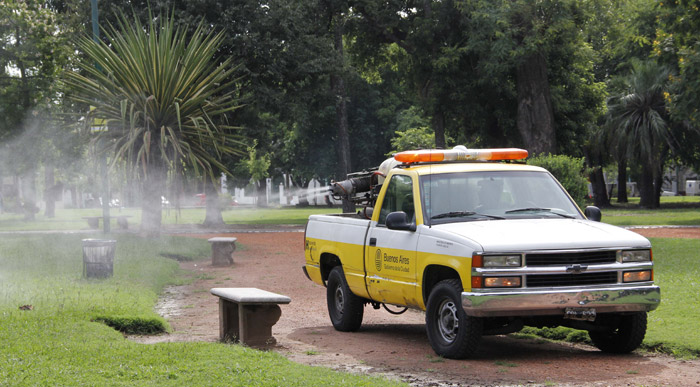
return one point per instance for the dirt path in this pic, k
(397, 346)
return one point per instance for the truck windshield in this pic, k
(494, 195)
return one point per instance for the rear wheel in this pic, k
(626, 336)
(344, 308)
(451, 333)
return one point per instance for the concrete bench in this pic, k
(222, 249)
(247, 315)
(94, 221)
(122, 221)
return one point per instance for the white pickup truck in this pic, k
(483, 247)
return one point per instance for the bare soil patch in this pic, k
(395, 346)
(668, 232)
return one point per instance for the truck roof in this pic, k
(436, 168)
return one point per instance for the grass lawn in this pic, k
(673, 327)
(249, 215)
(72, 219)
(674, 211)
(60, 341)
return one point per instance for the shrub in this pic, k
(570, 171)
(133, 325)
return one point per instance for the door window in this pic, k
(398, 197)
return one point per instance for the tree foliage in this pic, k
(34, 49)
(163, 100)
(484, 73)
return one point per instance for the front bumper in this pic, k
(555, 302)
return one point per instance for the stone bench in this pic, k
(94, 221)
(246, 315)
(222, 249)
(122, 221)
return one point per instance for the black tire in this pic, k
(451, 333)
(344, 308)
(627, 335)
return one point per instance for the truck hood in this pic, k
(542, 234)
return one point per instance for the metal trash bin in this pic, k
(98, 258)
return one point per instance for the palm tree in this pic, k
(164, 100)
(638, 120)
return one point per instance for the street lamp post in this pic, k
(103, 160)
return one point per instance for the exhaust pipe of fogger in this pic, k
(350, 186)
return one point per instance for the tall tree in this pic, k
(34, 49)
(639, 119)
(429, 36)
(538, 49)
(162, 96)
(677, 45)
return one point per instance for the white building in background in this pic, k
(316, 194)
(224, 187)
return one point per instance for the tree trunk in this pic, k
(213, 216)
(658, 189)
(622, 180)
(29, 196)
(261, 192)
(535, 116)
(153, 187)
(341, 110)
(49, 192)
(439, 128)
(79, 197)
(600, 194)
(646, 187)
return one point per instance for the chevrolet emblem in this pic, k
(576, 269)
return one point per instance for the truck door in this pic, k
(390, 258)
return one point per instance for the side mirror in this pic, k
(593, 213)
(399, 221)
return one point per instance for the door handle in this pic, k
(372, 241)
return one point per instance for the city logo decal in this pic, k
(378, 260)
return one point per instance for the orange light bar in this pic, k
(460, 153)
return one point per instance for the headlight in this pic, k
(501, 282)
(501, 261)
(636, 255)
(636, 276)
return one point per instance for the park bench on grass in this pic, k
(246, 315)
(122, 221)
(94, 221)
(222, 249)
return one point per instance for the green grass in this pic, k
(71, 219)
(672, 327)
(674, 211)
(659, 217)
(61, 341)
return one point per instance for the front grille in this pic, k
(553, 280)
(580, 258)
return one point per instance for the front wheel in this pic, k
(344, 308)
(625, 336)
(451, 333)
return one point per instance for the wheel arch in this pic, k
(327, 262)
(432, 274)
